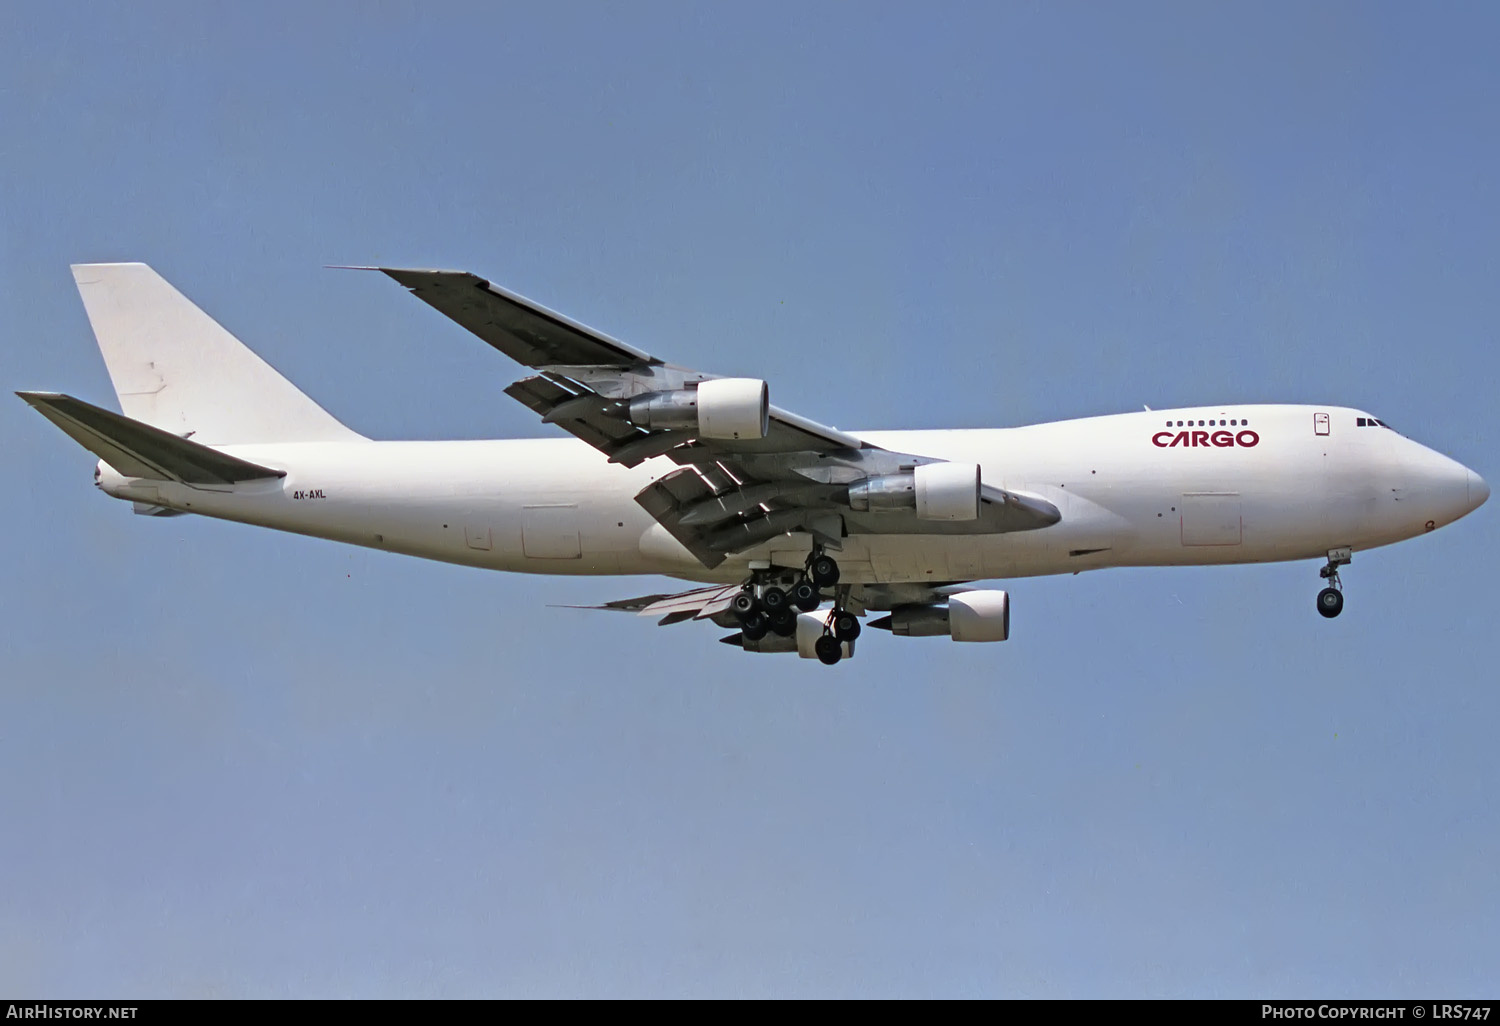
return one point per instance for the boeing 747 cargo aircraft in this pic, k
(794, 530)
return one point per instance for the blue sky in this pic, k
(239, 763)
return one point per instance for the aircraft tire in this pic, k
(829, 649)
(773, 600)
(845, 625)
(754, 626)
(1330, 602)
(805, 597)
(824, 571)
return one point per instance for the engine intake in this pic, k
(723, 408)
(979, 616)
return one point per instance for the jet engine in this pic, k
(717, 408)
(937, 491)
(968, 616)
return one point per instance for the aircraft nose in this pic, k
(1444, 488)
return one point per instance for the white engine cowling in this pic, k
(947, 491)
(979, 616)
(734, 408)
(721, 408)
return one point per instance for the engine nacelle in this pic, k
(947, 491)
(979, 616)
(718, 408)
(916, 622)
(937, 491)
(769, 643)
(968, 616)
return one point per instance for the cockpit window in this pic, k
(1371, 422)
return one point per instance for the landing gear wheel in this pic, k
(1331, 598)
(805, 597)
(1330, 602)
(845, 625)
(744, 604)
(773, 599)
(823, 571)
(783, 623)
(754, 626)
(829, 649)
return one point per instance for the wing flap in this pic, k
(698, 604)
(575, 408)
(666, 499)
(140, 450)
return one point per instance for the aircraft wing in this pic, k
(525, 331)
(739, 485)
(545, 340)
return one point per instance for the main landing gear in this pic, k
(841, 626)
(770, 601)
(1331, 598)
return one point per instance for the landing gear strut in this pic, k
(841, 628)
(1331, 598)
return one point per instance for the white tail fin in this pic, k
(175, 368)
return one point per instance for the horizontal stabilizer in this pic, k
(140, 450)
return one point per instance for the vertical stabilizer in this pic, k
(175, 368)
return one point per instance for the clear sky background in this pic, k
(240, 763)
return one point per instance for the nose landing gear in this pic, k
(1331, 598)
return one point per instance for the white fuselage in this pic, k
(1132, 491)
